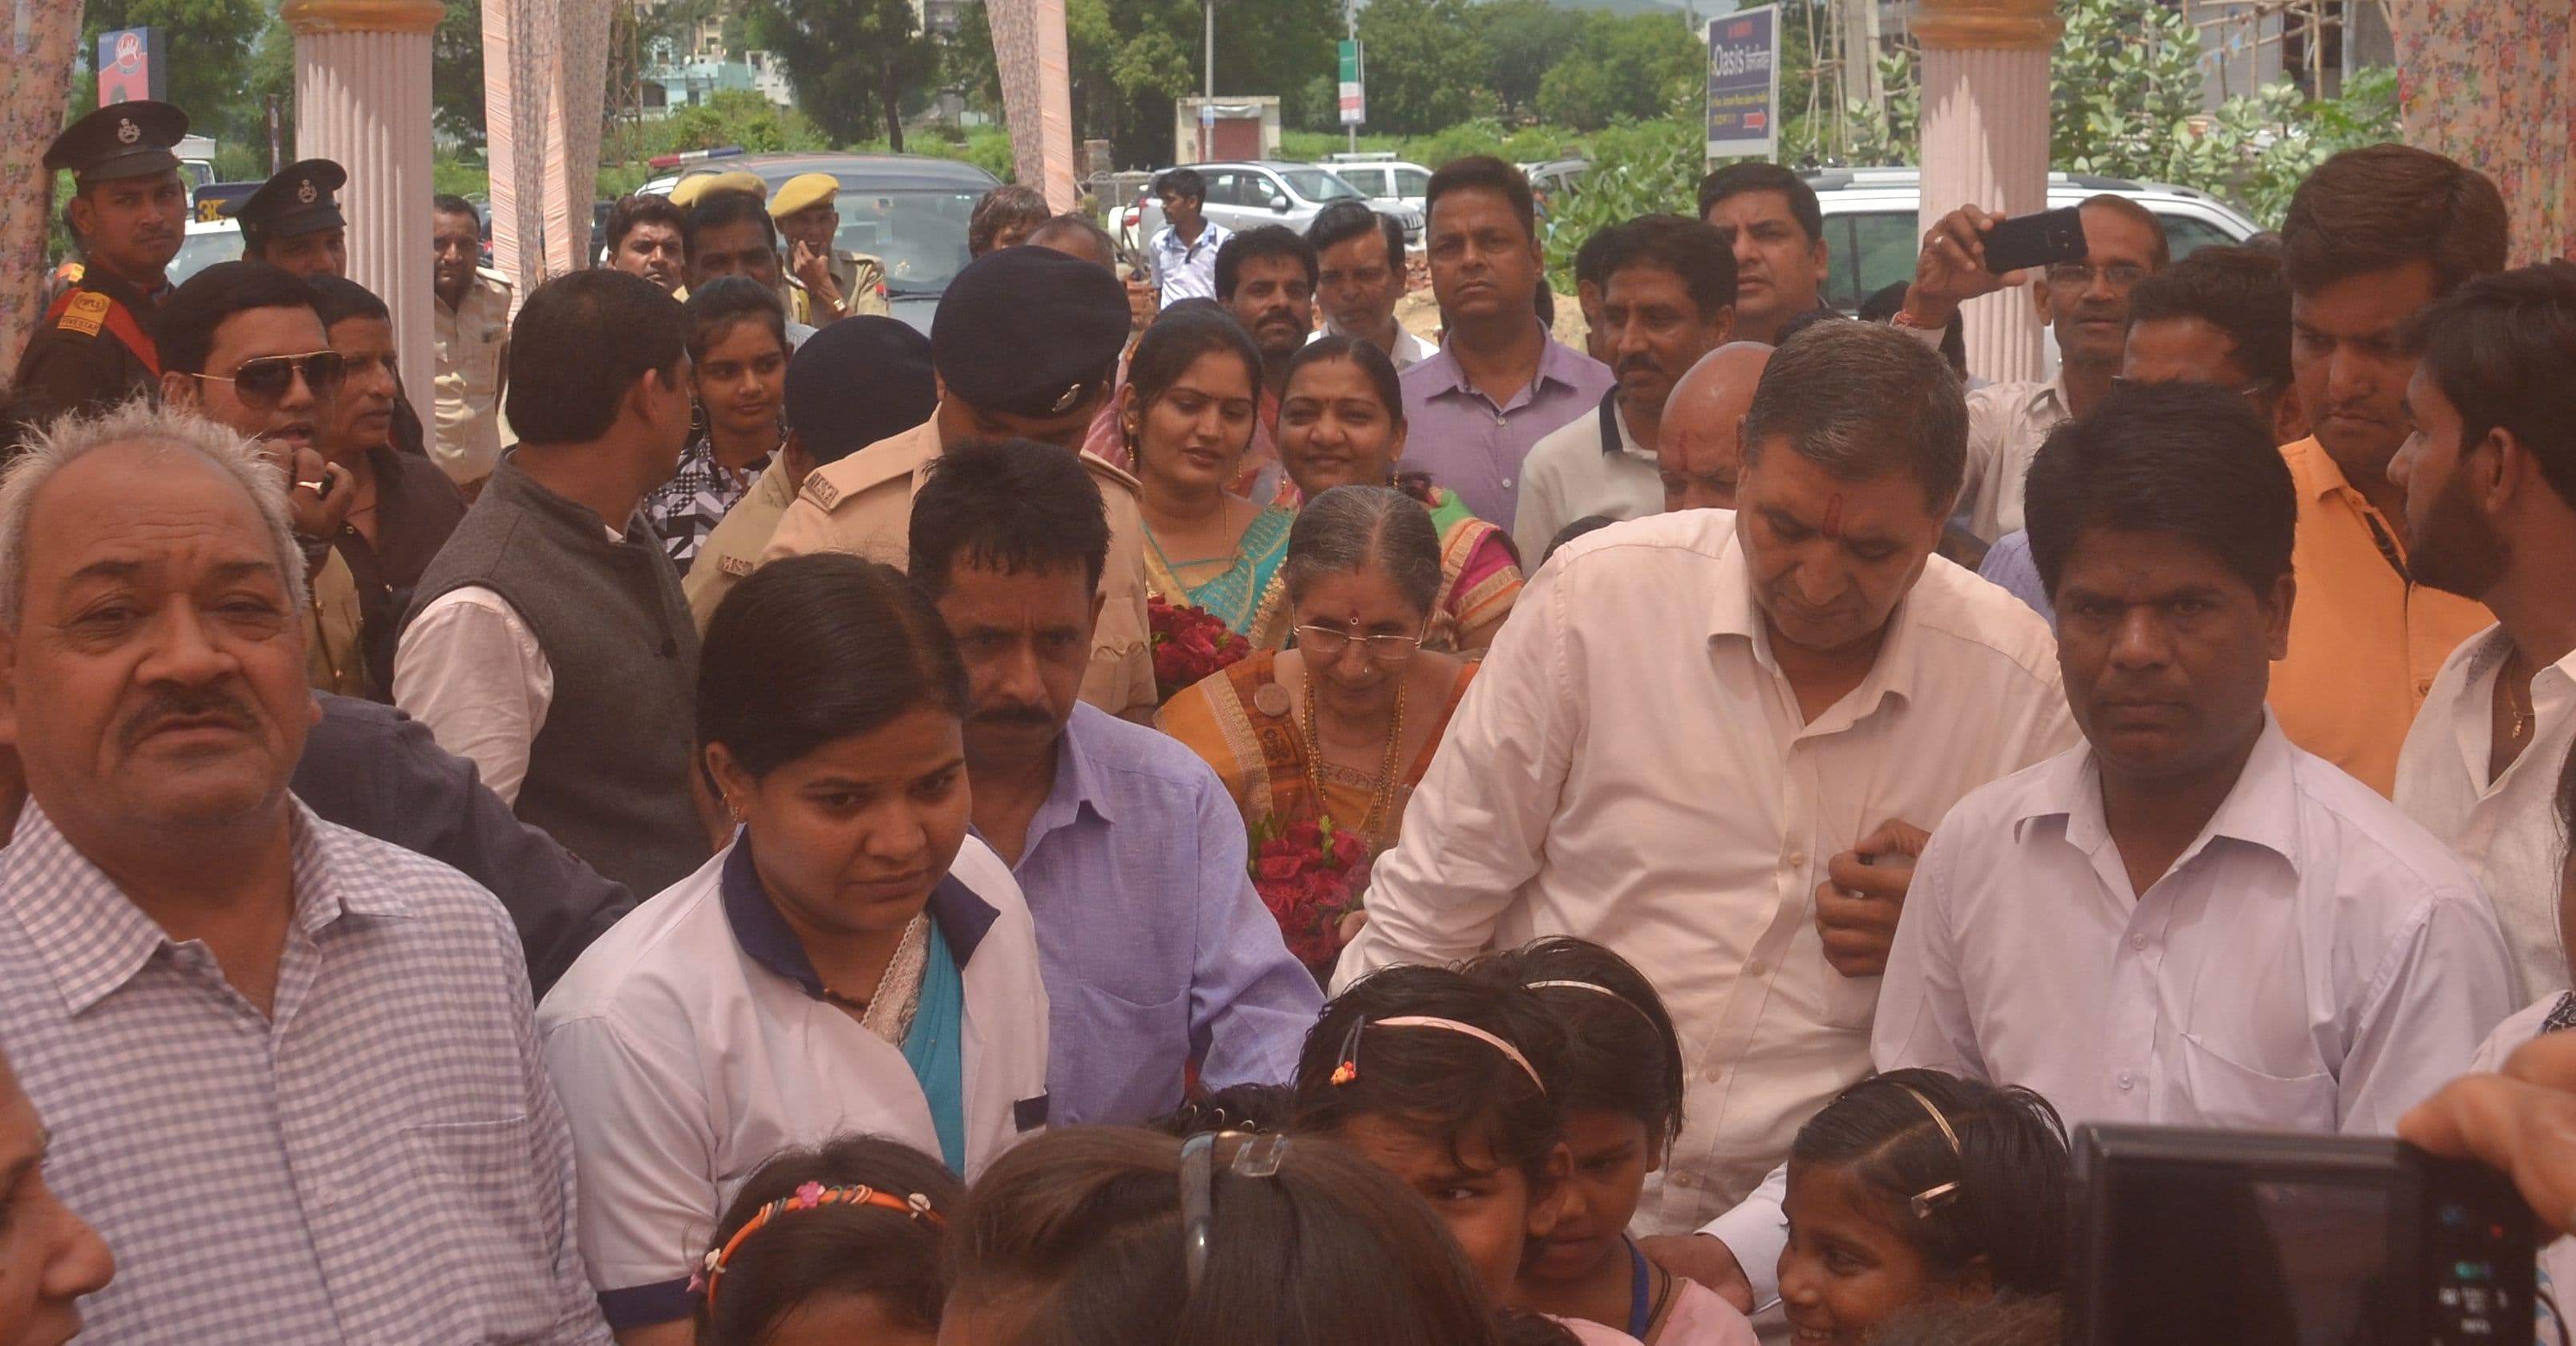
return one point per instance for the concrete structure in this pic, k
(1216, 130)
(1985, 139)
(362, 99)
(675, 82)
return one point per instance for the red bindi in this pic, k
(1832, 527)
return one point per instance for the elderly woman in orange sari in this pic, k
(1341, 423)
(1343, 725)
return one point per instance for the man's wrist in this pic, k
(1925, 312)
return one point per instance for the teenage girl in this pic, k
(1619, 1083)
(1917, 1186)
(835, 1244)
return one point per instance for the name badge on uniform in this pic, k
(88, 311)
(736, 566)
(821, 491)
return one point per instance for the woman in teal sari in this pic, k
(1193, 388)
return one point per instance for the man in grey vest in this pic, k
(549, 643)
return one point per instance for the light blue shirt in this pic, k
(2008, 563)
(1155, 949)
(1187, 270)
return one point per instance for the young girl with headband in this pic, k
(1918, 1186)
(1619, 1083)
(840, 1243)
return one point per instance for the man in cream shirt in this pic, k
(1026, 347)
(1711, 741)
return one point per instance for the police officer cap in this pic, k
(1029, 331)
(121, 140)
(301, 199)
(697, 187)
(804, 192)
(857, 381)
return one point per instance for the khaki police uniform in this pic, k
(863, 504)
(472, 340)
(861, 279)
(733, 549)
(335, 656)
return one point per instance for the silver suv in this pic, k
(1243, 195)
(1873, 226)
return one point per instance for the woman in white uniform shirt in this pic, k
(854, 961)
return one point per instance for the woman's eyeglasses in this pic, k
(1324, 644)
(265, 380)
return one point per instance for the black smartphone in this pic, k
(2044, 239)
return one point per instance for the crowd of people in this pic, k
(1175, 808)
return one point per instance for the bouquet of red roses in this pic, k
(1310, 874)
(1188, 645)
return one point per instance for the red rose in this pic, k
(1278, 868)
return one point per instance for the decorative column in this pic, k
(1037, 94)
(576, 97)
(518, 71)
(362, 100)
(41, 41)
(1985, 141)
(2487, 84)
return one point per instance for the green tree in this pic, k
(207, 45)
(1426, 64)
(456, 72)
(853, 63)
(1523, 40)
(1627, 68)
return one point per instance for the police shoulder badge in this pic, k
(88, 310)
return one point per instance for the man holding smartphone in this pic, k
(2086, 302)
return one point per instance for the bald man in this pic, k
(1700, 452)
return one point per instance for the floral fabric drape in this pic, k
(2486, 82)
(42, 38)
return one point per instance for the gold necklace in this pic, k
(1381, 799)
(2517, 694)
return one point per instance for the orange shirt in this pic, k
(2365, 639)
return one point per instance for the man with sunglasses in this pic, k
(242, 343)
(2086, 303)
(94, 346)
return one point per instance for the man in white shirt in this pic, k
(549, 642)
(2187, 920)
(1359, 255)
(2489, 475)
(1183, 251)
(2086, 303)
(1667, 298)
(1699, 729)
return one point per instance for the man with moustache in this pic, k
(1500, 382)
(470, 324)
(2372, 237)
(1770, 217)
(1158, 956)
(318, 1046)
(94, 347)
(1699, 452)
(1359, 274)
(1667, 298)
(2086, 303)
(644, 235)
(1265, 277)
(242, 343)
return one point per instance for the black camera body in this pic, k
(2186, 1236)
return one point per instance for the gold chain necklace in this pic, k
(2517, 694)
(1382, 799)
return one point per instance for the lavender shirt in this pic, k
(1475, 448)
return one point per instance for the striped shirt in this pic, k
(380, 1159)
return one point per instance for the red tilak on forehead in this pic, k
(1832, 527)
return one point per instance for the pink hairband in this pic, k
(1349, 1069)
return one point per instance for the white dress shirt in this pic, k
(1631, 767)
(2507, 827)
(2007, 422)
(1186, 270)
(470, 669)
(2313, 962)
(692, 1042)
(1410, 350)
(1569, 475)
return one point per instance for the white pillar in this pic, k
(362, 100)
(1985, 141)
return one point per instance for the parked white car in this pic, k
(1383, 177)
(1873, 221)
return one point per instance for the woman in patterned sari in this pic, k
(1186, 414)
(1341, 423)
(1344, 725)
